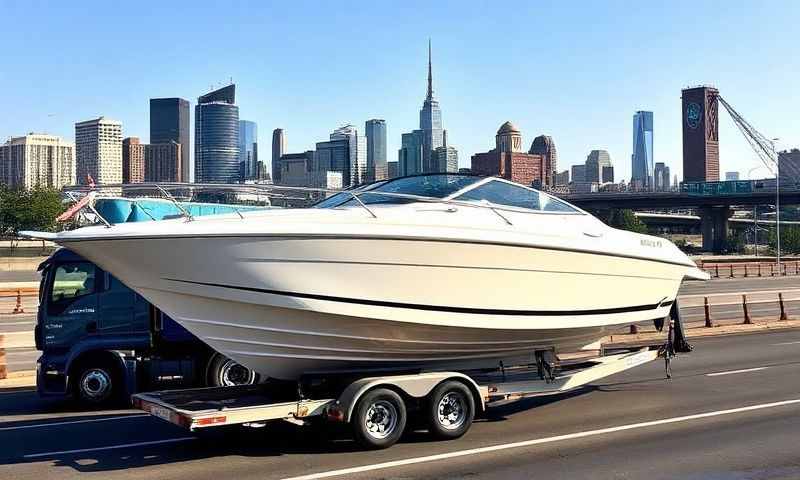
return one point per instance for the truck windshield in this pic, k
(73, 280)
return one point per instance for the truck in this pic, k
(101, 342)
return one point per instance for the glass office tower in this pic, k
(216, 152)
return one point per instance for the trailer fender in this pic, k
(415, 386)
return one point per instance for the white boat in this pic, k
(429, 271)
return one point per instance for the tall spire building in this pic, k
(417, 154)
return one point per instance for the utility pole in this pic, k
(777, 204)
(755, 213)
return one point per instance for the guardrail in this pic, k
(18, 293)
(752, 269)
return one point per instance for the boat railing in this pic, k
(274, 195)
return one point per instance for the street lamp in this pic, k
(777, 204)
(755, 212)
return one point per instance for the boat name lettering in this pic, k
(646, 242)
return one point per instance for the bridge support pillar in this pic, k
(714, 227)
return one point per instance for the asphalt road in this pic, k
(19, 276)
(741, 424)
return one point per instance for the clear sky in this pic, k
(574, 70)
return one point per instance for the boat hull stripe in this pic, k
(434, 308)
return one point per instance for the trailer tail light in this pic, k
(335, 414)
(204, 422)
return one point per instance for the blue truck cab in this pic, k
(102, 342)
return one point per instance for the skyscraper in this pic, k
(278, 149)
(354, 172)
(216, 137)
(98, 151)
(595, 162)
(248, 149)
(661, 177)
(446, 159)
(132, 160)
(169, 122)
(431, 135)
(642, 157)
(545, 146)
(578, 173)
(162, 162)
(700, 134)
(375, 131)
(37, 160)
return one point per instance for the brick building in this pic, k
(132, 160)
(508, 160)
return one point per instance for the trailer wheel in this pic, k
(95, 385)
(379, 419)
(224, 372)
(451, 409)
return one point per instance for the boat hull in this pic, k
(287, 305)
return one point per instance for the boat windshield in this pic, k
(498, 192)
(431, 186)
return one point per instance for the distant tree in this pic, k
(34, 209)
(625, 220)
(790, 239)
(735, 242)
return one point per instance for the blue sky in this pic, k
(576, 71)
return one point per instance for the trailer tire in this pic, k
(224, 372)
(379, 419)
(96, 385)
(451, 409)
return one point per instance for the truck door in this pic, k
(71, 304)
(117, 307)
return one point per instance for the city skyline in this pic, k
(542, 96)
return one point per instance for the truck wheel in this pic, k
(95, 385)
(451, 409)
(224, 372)
(379, 419)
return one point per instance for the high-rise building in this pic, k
(132, 160)
(98, 151)
(561, 179)
(789, 173)
(375, 131)
(607, 174)
(545, 146)
(661, 177)
(595, 162)
(334, 156)
(409, 157)
(278, 149)
(169, 122)
(700, 134)
(431, 134)
(578, 173)
(642, 157)
(37, 160)
(162, 162)
(392, 170)
(508, 159)
(731, 176)
(248, 150)
(216, 151)
(446, 159)
(355, 171)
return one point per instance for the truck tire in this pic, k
(379, 419)
(451, 409)
(96, 385)
(224, 372)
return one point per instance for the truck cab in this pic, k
(101, 341)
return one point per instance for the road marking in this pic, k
(786, 343)
(538, 441)
(731, 372)
(112, 447)
(53, 424)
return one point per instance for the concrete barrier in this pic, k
(17, 340)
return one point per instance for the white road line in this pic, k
(731, 372)
(786, 343)
(53, 424)
(112, 447)
(538, 441)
